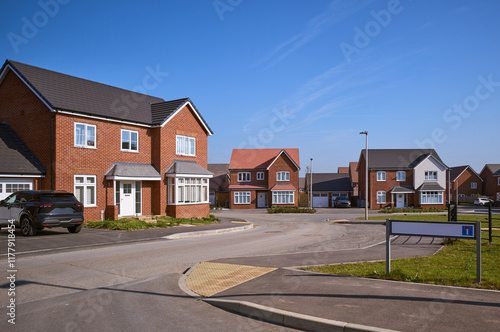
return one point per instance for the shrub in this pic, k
(289, 209)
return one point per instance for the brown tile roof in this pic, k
(250, 186)
(344, 170)
(259, 158)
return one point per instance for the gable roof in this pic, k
(343, 169)
(398, 158)
(67, 93)
(494, 169)
(330, 181)
(456, 171)
(17, 158)
(260, 158)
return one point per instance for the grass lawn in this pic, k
(127, 224)
(454, 265)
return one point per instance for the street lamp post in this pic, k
(311, 185)
(366, 174)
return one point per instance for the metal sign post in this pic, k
(456, 230)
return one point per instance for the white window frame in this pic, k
(260, 175)
(85, 145)
(381, 197)
(130, 132)
(188, 190)
(401, 176)
(435, 196)
(283, 197)
(242, 197)
(282, 176)
(381, 176)
(244, 176)
(428, 176)
(86, 185)
(498, 196)
(473, 185)
(185, 145)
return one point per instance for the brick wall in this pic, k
(29, 117)
(283, 163)
(31, 120)
(464, 182)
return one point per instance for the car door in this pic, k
(18, 206)
(5, 209)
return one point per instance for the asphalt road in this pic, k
(129, 286)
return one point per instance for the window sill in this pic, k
(85, 147)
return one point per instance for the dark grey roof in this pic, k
(398, 158)
(455, 172)
(430, 186)
(330, 181)
(133, 170)
(402, 189)
(73, 94)
(218, 168)
(16, 157)
(302, 183)
(219, 183)
(187, 167)
(494, 168)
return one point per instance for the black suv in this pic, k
(33, 210)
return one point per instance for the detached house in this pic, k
(263, 177)
(463, 184)
(401, 178)
(491, 177)
(120, 152)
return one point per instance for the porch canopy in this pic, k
(132, 172)
(402, 190)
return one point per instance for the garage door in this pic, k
(320, 200)
(8, 186)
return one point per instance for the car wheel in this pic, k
(75, 229)
(26, 228)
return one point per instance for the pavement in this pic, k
(266, 288)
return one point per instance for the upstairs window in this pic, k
(130, 140)
(473, 185)
(431, 176)
(84, 135)
(283, 176)
(260, 175)
(381, 176)
(244, 177)
(186, 146)
(401, 176)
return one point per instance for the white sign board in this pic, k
(454, 230)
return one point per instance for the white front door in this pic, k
(261, 200)
(400, 201)
(127, 198)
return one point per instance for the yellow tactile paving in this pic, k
(208, 279)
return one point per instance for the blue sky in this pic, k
(289, 73)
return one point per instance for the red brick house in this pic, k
(463, 182)
(491, 177)
(120, 152)
(402, 178)
(263, 177)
